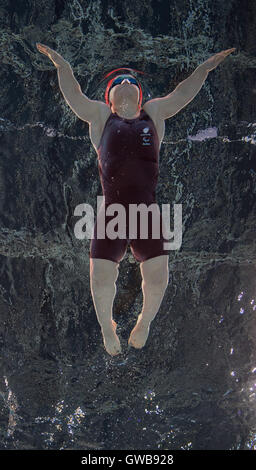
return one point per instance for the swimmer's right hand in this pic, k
(53, 55)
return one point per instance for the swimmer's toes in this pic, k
(113, 349)
(111, 342)
(138, 337)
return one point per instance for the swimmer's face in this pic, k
(124, 92)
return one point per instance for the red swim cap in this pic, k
(112, 79)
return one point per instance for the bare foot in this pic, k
(139, 335)
(111, 340)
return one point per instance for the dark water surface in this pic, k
(47, 404)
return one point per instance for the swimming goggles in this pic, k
(119, 80)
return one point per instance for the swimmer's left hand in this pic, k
(56, 58)
(216, 59)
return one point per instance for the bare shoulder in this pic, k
(100, 113)
(151, 108)
(105, 112)
(154, 108)
(91, 111)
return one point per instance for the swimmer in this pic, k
(127, 139)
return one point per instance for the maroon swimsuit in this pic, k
(128, 168)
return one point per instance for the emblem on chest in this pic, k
(145, 136)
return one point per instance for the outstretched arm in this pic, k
(86, 109)
(185, 92)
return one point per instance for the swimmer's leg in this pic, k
(103, 276)
(155, 277)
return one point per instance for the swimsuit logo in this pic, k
(146, 136)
